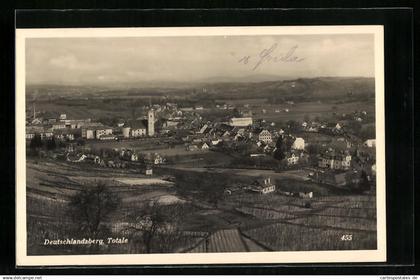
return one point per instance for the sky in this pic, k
(91, 61)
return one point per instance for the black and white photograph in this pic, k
(200, 145)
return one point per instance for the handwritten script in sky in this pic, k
(271, 55)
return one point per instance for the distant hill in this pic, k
(246, 79)
(317, 88)
(301, 88)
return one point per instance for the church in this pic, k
(140, 128)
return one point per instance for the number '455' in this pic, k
(346, 237)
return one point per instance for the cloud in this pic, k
(71, 62)
(86, 60)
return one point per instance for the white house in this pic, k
(90, 133)
(126, 132)
(138, 131)
(338, 126)
(205, 146)
(298, 144)
(373, 168)
(134, 157)
(103, 131)
(265, 136)
(337, 162)
(292, 159)
(158, 159)
(240, 121)
(203, 129)
(263, 187)
(370, 143)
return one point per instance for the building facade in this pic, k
(240, 121)
(265, 136)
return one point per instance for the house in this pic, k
(240, 122)
(373, 169)
(306, 194)
(205, 146)
(103, 131)
(292, 158)
(338, 126)
(153, 159)
(298, 144)
(192, 148)
(335, 161)
(337, 178)
(107, 137)
(265, 136)
(268, 149)
(257, 155)
(134, 157)
(36, 121)
(263, 187)
(90, 133)
(216, 142)
(66, 134)
(312, 129)
(29, 135)
(203, 129)
(97, 160)
(233, 188)
(226, 134)
(148, 171)
(59, 125)
(31, 131)
(238, 137)
(371, 143)
(171, 123)
(138, 131)
(134, 128)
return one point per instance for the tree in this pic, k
(236, 113)
(91, 207)
(36, 142)
(293, 125)
(312, 149)
(80, 142)
(154, 225)
(279, 152)
(364, 184)
(51, 144)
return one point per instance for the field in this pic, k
(199, 217)
(320, 227)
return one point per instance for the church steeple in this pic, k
(151, 123)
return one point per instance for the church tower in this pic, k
(151, 123)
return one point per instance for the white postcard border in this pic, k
(378, 255)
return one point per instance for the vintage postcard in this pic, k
(215, 145)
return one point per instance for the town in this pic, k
(257, 171)
(331, 152)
